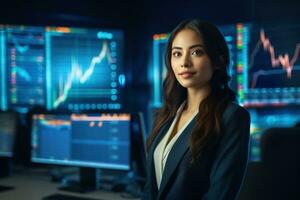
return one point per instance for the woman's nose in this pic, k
(186, 61)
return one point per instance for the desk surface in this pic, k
(36, 184)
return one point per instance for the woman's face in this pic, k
(190, 63)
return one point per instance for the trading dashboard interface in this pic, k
(61, 68)
(99, 141)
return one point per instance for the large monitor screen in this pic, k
(61, 68)
(8, 129)
(98, 141)
(272, 74)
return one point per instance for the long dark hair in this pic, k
(211, 108)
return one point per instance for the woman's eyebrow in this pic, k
(191, 47)
(179, 48)
(196, 45)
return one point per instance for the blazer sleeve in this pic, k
(229, 166)
(146, 192)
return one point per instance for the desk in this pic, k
(33, 184)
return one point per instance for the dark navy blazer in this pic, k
(219, 172)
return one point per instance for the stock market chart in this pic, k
(61, 68)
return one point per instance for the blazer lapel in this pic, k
(178, 150)
(161, 133)
(150, 166)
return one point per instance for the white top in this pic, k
(162, 150)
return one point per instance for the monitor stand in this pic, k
(5, 188)
(87, 181)
(5, 163)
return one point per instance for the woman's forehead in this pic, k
(186, 38)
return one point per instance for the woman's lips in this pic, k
(186, 74)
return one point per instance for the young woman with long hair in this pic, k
(198, 147)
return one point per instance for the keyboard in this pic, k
(66, 197)
(4, 188)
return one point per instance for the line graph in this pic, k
(280, 60)
(22, 49)
(56, 123)
(84, 70)
(77, 73)
(23, 73)
(273, 70)
(25, 67)
(52, 120)
(61, 67)
(23, 40)
(259, 73)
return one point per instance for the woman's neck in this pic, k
(194, 98)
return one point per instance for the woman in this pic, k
(198, 147)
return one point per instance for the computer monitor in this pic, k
(139, 150)
(84, 140)
(269, 71)
(65, 68)
(265, 118)
(8, 128)
(88, 141)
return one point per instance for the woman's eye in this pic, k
(198, 52)
(176, 54)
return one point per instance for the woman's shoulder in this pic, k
(234, 110)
